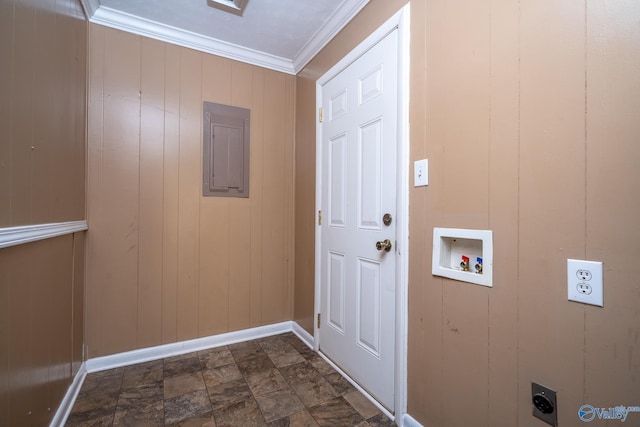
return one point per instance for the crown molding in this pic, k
(90, 7)
(144, 27)
(113, 18)
(338, 20)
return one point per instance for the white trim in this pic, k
(304, 336)
(336, 22)
(61, 415)
(134, 24)
(13, 236)
(174, 349)
(90, 7)
(408, 421)
(357, 386)
(401, 20)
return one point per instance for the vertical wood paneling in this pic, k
(78, 323)
(465, 201)
(503, 215)
(256, 194)
(273, 266)
(215, 231)
(240, 211)
(189, 194)
(151, 193)
(171, 159)
(6, 83)
(5, 335)
(95, 219)
(421, 358)
(612, 333)
(21, 375)
(552, 199)
(120, 191)
(22, 114)
(44, 119)
(288, 137)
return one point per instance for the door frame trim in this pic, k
(400, 20)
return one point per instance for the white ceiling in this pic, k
(283, 35)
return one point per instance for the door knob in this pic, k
(384, 245)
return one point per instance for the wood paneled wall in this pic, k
(164, 263)
(42, 112)
(41, 327)
(42, 180)
(527, 112)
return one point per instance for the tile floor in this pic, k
(274, 381)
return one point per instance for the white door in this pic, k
(358, 277)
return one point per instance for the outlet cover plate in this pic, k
(550, 418)
(584, 282)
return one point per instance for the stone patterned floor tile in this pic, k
(198, 421)
(266, 382)
(184, 383)
(336, 412)
(381, 420)
(299, 372)
(245, 413)
(255, 364)
(314, 392)
(186, 406)
(229, 393)
(339, 383)
(179, 366)
(221, 374)
(299, 419)
(362, 404)
(276, 380)
(143, 373)
(215, 357)
(139, 414)
(279, 404)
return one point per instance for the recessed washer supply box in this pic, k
(458, 249)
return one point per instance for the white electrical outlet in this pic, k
(420, 173)
(584, 281)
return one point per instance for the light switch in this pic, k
(421, 173)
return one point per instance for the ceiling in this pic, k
(282, 35)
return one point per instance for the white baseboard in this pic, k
(174, 349)
(408, 421)
(304, 336)
(60, 418)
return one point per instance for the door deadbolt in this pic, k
(386, 219)
(384, 245)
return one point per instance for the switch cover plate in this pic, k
(584, 282)
(421, 173)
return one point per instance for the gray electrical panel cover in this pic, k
(225, 159)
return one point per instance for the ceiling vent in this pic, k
(232, 6)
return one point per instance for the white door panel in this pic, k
(359, 146)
